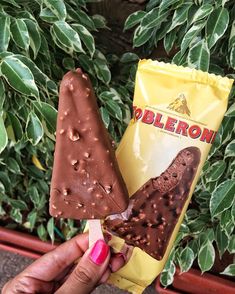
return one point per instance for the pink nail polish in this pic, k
(99, 252)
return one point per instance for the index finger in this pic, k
(50, 265)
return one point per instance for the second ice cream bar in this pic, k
(86, 181)
(155, 208)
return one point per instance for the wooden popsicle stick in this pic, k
(95, 231)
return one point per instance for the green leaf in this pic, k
(34, 36)
(129, 57)
(232, 36)
(169, 40)
(232, 57)
(230, 149)
(20, 34)
(229, 271)
(226, 220)
(13, 165)
(216, 25)
(16, 126)
(141, 36)
(114, 109)
(199, 56)
(153, 19)
(18, 76)
(47, 15)
(50, 228)
(49, 113)
(151, 4)
(86, 38)
(39, 76)
(32, 218)
(202, 12)
(110, 95)
(2, 94)
(231, 245)
(166, 4)
(34, 129)
(5, 180)
(222, 197)
(167, 275)
(215, 171)
(13, 3)
(18, 204)
(194, 246)
(66, 37)
(2, 189)
(206, 256)
(180, 16)
(4, 32)
(44, 49)
(133, 19)
(105, 116)
(221, 240)
(16, 215)
(81, 17)
(196, 225)
(34, 196)
(233, 211)
(86, 64)
(231, 111)
(216, 69)
(42, 233)
(203, 237)
(186, 259)
(57, 7)
(2, 211)
(99, 21)
(190, 35)
(68, 63)
(102, 71)
(3, 135)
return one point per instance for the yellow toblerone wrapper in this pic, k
(174, 108)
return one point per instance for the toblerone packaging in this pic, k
(176, 114)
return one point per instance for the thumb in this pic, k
(89, 270)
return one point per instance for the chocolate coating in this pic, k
(155, 208)
(86, 181)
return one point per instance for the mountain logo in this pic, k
(180, 105)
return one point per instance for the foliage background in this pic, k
(41, 39)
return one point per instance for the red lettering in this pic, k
(207, 135)
(194, 132)
(138, 113)
(170, 124)
(148, 117)
(182, 128)
(157, 122)
(213, 139)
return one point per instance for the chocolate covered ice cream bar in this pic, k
(86, 181)
(154, 209)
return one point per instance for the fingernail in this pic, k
(99, 252)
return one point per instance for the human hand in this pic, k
(56, 272)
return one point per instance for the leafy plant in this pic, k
(201, 35)
(39, 41)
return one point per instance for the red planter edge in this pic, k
(194, 282)
(23, 243)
